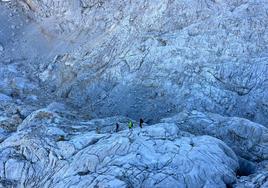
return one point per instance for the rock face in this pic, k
(150, 58)
(71, 70)
(248, 139)
(153, 58)
(51, 151)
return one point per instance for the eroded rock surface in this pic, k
(248, 139)
(50, 150)
(149, 58)
(201, 65)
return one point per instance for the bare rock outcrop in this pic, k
(248, 139)
(149, 58)
(201, 63)
(50, 150)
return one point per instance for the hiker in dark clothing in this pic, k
(116, 127)
(141, 122)
(97, 130)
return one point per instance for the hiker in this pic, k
(116, 127)
(97, 130)
(141, 122)
(130, 125)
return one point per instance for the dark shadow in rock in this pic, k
(83, 173)
(246, 167)
(7, 183)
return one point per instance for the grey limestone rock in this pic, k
(53, 154)
(248, 139)
(70, 71)
(147, 59)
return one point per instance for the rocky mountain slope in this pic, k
(196, 71)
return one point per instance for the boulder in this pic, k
(249, 140)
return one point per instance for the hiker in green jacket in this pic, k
(130, 125)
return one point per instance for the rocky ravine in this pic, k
(195, 70)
